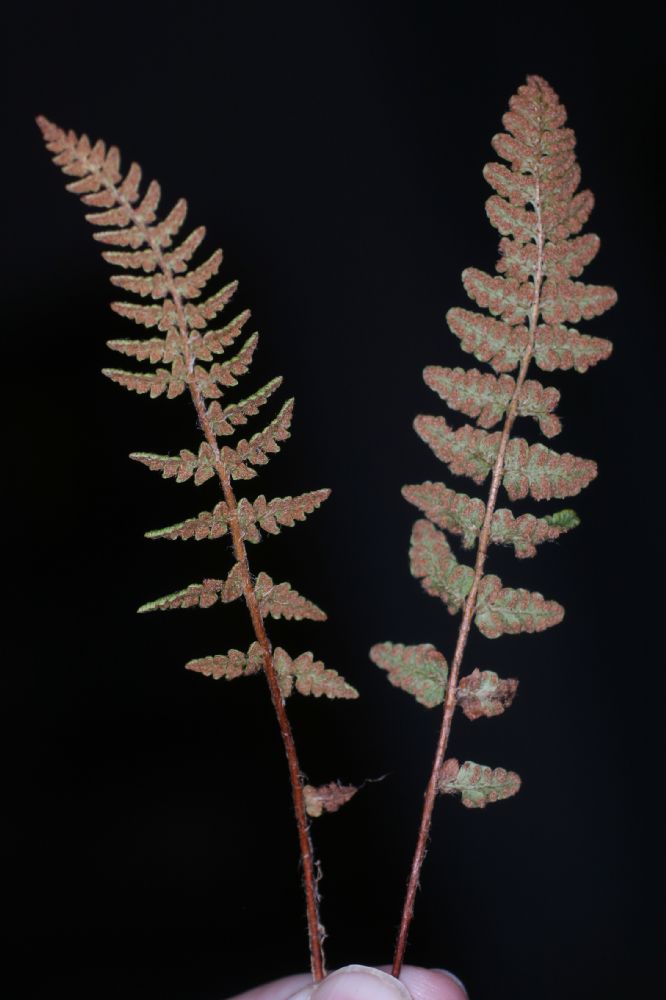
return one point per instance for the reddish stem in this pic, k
(468, 612)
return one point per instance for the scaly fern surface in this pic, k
(522, 319)
(191, 353)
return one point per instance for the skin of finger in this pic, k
(431, 984)
(422, 984)
(279, 989)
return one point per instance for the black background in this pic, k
(335, 152)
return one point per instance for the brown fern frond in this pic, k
(327, 798)
(434, 564)
(527, 469)
(310, 676)
(523, 309)
(503, 610)
(223, 421)
(491, 340)
(420, 670)
(279, 601)
(229, 665)
(183, 467)
(157, 263)
(483, 693)
(462, 515)
(477, 784)
(269, 515)
(487, 397)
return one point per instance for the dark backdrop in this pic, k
(335, 152)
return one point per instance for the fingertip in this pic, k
(432, 984)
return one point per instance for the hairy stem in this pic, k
(315, 929)
(468, 611)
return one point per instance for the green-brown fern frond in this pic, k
(193, 350)
(523, 316)
(161, 254)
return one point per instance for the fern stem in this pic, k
(469, 609)
(315, 930)
(310, 879)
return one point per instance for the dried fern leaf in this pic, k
(491, 340)
(456, 512)
(477, 784)
(327, 798)
(561, 347)
(154, 349)
(504, 611)
(224, 421)
(172, 382)
(527, 531)
(270, 515)
(434, 564)
(309, 676)
(182, 467)
(420, 670)
(463, 515)
(483, 693)
(533, 469)
(202, 595)
(544, 474)
(217, 341)
(283, 512)
(229, 665)
(504, 297)
(257, 450)
(279, 601)
(487, 397)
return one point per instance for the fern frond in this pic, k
(487, 397)
(503, 610)
(532, 469)
(224, 374)
(279, 601)
(477, 784)
(327, 798)
(183, 467)
(463, 515)
(434, 564)
(202, 595)
(561, 347)
(491, 340)
(156, 263)
(270, 515)
(483, 693)
(217, 341)
(257, 450)
(521, 317)
(420, 670)
(224, 421)
(505, 297)
(229, 665)
(456, 512)
(310, 676)
(172, 381)
(283, 512)
(527, 531)
(155, 349)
